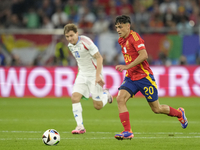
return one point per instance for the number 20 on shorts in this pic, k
(149, 90)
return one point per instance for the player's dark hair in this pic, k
(70, 27)
(122, 19)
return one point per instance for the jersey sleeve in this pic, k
(137, 41)
(89, 45)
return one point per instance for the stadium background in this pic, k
(33, 50)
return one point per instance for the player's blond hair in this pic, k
(70, 27)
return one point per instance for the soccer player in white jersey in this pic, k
(89, 79)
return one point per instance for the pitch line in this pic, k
(97, 120)
(101, 138)
(147, 133)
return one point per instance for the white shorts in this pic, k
(86, 85)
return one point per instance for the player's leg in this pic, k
(100, 96)
(77, 111)
(165, 109)
(124, 94)
(101, 99)
(148, 88)
(80, 89)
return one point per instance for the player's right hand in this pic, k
(99, 81)
(121, 67)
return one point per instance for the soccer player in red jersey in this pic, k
(139, 77)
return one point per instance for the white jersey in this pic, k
(83, 52)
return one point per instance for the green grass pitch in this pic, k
(24, 120)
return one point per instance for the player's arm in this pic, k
(99, 59)
(141, 57)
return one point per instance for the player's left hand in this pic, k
(99, 81)
(121, 67)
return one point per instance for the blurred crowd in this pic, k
(98, 16)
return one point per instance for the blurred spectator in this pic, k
(186, 4)
(198, 56)
(14, 22)
(2, 58)
(136, 5)
(59, 18)
(182, 60)
(147, 4)
(104, 3)
(58, 3)
(46, 8)
(162, 58)
(4, 18)
(37, 60)
(125, 5)
(70, 7)
(169, 18)
(112, 6)
(46, 23)
(142, 17)
(81, 7)
(15, 60)
(5, 5)
(19, 7)
(95, 6)
(87, 20)
(154, 5)
(194, 14)
(184, 27)
(168, 4)
(156, 20)
(31, 19)
(111, 19)
(101, 25)
(85, 25)
(61, 52)
(88, 15)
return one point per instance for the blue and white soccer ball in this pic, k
(51, 137)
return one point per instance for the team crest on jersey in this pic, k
(77, 48)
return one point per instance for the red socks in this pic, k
(124, 117)
(174, 112)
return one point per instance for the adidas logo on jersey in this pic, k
(149, 97)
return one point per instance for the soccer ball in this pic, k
(51, 137)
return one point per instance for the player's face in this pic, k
(72, 37)
(123, 29)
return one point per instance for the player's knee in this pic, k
(156, 110)
(120, 99)
(97, 106)
(75, 99)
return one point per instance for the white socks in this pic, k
(77, 111)
(104, 98)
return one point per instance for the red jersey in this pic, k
(130, 47)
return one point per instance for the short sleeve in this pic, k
(89, 45)
(137, 41)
